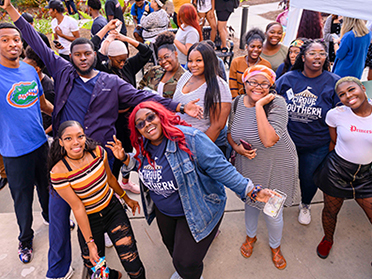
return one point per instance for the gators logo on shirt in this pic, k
(23, 94)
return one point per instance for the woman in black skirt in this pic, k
(346, 172)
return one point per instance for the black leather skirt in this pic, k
(339, 178)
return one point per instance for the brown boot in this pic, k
(278, 259)
(247, 247)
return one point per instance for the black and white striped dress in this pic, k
(275, 167)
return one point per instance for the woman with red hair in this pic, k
(189, 32)
(182, 177)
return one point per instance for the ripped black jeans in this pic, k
(114, 220)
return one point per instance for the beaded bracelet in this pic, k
(89, 241)
(254, 193)
(123, 195)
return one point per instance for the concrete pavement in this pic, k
(349, 258)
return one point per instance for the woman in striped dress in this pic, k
(81, 175)
(260, 118)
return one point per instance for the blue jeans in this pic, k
(23, 173)
(70, 5)
(274, 225)
(59, 255)
(309, 159)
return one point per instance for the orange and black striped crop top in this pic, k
(89, 183)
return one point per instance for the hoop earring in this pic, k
(63, 151)
(86, 146)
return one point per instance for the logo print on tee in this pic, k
(23, 94)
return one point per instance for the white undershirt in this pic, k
(161, 88)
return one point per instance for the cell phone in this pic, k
(275, 204)
(246, 145)
(55, 42)
(1, 2)
(118, 26)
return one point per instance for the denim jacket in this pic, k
(200, 181)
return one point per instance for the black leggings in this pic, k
(187, 254)
(332, 206)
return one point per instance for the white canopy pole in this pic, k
(294, 18)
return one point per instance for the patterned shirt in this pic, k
(89, 183)
(153, 77)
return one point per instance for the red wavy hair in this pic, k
(189, 16)
(168, 121)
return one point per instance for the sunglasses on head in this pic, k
(149, 118)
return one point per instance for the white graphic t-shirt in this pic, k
(354, 135)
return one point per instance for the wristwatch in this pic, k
(182, 108)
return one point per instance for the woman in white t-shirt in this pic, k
(189, 32)
(346, 173)
(204, 82)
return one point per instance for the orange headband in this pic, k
(259, 70)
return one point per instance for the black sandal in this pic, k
(224, 50)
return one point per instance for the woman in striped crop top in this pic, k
(81, 175)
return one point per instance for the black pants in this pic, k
(187, 254)
(24, 172)
(115, 222)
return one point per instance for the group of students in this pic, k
(295, 126)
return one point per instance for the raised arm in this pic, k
(53, 62)
(266, 131)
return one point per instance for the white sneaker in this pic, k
(177, 276)
(130, 186)
(304, 217)
(108, 242)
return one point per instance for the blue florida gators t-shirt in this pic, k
(21, 124)
(161, 181)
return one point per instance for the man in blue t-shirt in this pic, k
(23, 142)
(137, 11)
(94, 6)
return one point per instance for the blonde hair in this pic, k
(349, 79)
(356, 25)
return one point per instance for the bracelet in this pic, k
(254, 193)
(182, 109)
(123, 195)
(89, 241)
(125, 158)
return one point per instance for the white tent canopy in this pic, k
(356, 8)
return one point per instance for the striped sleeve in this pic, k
(59, 180)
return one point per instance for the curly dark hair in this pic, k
(57, 152)
(254, 34)
(299, 63)
(30, 54)
(165, 40)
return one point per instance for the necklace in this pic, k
(77, 158)
(258, 60)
